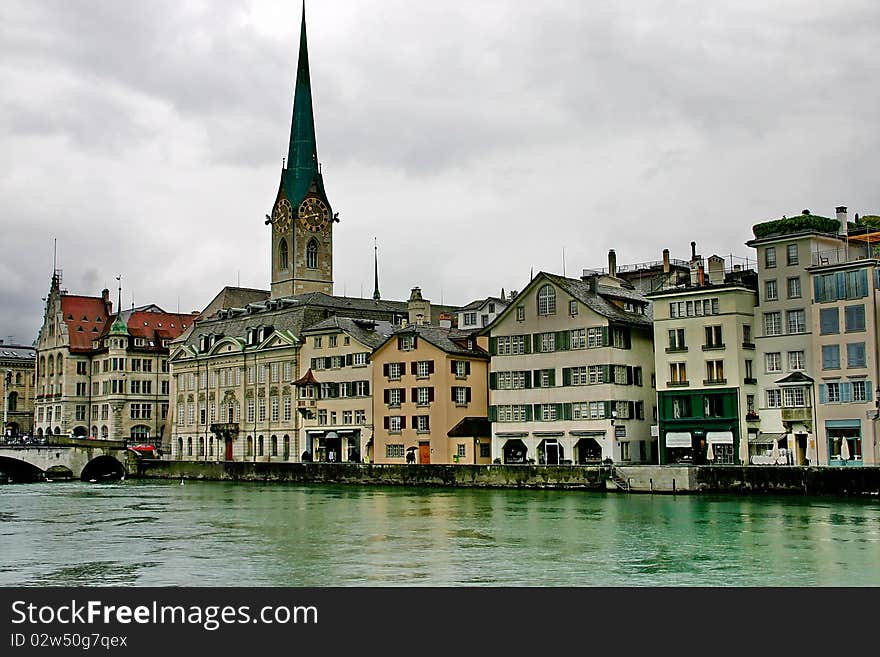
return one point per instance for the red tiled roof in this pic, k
(162, 325)
(82, 315)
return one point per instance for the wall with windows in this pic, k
(845, 352)
(559, 373)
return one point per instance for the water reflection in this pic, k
(216, 534)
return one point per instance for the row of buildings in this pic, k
(696, 360)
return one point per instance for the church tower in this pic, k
(302, 219)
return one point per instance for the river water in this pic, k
(161, 533)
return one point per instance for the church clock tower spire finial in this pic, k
(302, 219)
(376, 270)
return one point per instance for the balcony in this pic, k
(677, 384)
(841, 256)
(714, 382)
(797, 414)
(713, 347)
(750, 381)
(676, 350)
(748, 345)
(751, 416)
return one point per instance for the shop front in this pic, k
(844, 442)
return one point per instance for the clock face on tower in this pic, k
(313, 214)
(282, 216)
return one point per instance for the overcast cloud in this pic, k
(474, 140)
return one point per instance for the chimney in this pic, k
(612, 263)
(591, 282)
(418, 309)
(693, 250)
(716, 270)
(445, 320)
(841, 217)
(665, 261)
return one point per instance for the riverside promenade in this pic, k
(667, 479)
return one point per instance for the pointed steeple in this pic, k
(376, 270)
(301, 167)
(119, 326)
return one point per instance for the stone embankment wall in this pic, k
(641, 479)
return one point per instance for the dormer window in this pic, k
(85, 318)
(406, 342)
(547, 300)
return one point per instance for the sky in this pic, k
(476, 141)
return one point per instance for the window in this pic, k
(594, 337)
(406, 343)
(423, 424)
(770, 291)
(336, 362)
(394, 451)
(572, 308)
(273, 409)
(830, 357)
(773, 323)
(461, 395)
(322, 417)
(316, 341)
(796, 321)
(713, 337)
(715, 371)
(597, 410)
(394, 371)
(676, 340)
(286, 405)
(261, 409)
(579, 375)
(395, 424)
(713, 406)
(677, 373)
(312, 254)
(796, 361)
(747, 334)
(577, 339)
(773, 361)
(548, 341)
(620, 338)
(855, 354)
(275, 371)
(470, 319)
(791, 254)
(79, 411)
(423, 396)
(81, 389)
(793, 398)
(461, 449)
(860, 391)
(461, 368)
(774, 398)
(854, 318)
(841, 285)
(748, 367)
(282, 254)
(360, 417)
(346, 417)
(833, 392)
(548, 412)
(770, 257)
(794, 288)
(394, 397)
(250, 410)
(423, 369)
(547, 300)
(80, 368)
(829, 321)
(681, 407)
(359, 359)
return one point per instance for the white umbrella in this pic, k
(775, 453)
(710, 454)
(811, 451)
(844, 449)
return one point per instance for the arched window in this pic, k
(58, 364)
(201, 446)
(230, 414)
(40, 432)
(42, 366)
(260, 446)
(274, 446)
(51, 365)
(179, 447)
(18, 378)
(286, 447)
(250, 446)
(140, 432)
(312, 254)
(94, 433)
(189, 446)
(282, 254)
(105, 433)
(211, 447)
(13, 402)
(547, 300)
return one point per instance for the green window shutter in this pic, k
(528, 413)
(536, 342)
(606, 337)
(566, 376)
(536, 378)
(553, 377)
(632, 409)
(493, 414)
(869, 392)
(629, 375)
(562, 340)
(606, 374)
(566, 411)
(528, 378)
(493, 381)
(527, 344)
(493, 346)
(537, 411)
(627, 338)
(608, 408)
(637, 375)
(560, 410)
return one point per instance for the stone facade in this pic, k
(17, 366)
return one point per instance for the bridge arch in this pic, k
(19, 471)
(80, 431)
(102, 468)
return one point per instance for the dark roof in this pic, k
(471, 427)
(599, 301)
(306, 379)
(479, 303)
(18, 352)
(794, 378)
(369, 332)
(442, 338)
(234, 297)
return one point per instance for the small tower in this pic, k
(419, 309)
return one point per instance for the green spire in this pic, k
(119, 326)
(376, 295)
(302, 154)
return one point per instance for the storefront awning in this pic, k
(679, 439)
(764, 438)
(720, 437)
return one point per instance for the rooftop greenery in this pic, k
(802, 222)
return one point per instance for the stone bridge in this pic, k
(67, 458)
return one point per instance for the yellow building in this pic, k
(430, 397)
(17, 364)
